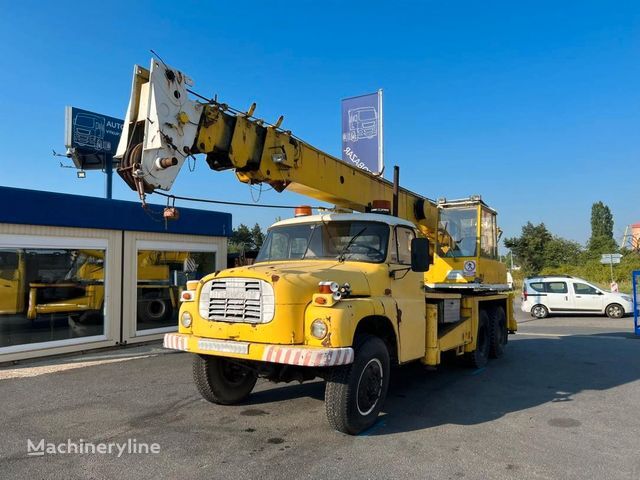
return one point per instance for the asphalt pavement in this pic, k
(563, 403)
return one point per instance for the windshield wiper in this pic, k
(343, 253)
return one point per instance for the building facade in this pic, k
(79, 273)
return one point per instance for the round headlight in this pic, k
(334, 287)
(185, 319)
(319, 329)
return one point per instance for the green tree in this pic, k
(529, 247)
(601, 240)
(244, 238)
(257, 236)
(560, 251)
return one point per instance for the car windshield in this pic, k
(345, 240)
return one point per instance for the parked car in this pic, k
(545, 295)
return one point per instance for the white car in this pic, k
(545, 295)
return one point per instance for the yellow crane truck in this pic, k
(386, 278)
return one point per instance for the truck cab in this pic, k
(466, 255)
(275, 301)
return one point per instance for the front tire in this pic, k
(222, 381)
(614, 310)
(355, 393)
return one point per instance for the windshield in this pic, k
(356, 241)
(458, 232)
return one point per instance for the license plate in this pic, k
(223, 346)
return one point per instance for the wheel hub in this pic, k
(369, 387)
(234, 374)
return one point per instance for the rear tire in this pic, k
(614, 310)
(499, 334)
(355, 393)
(539, 311)
(480, 356)
(222, 381)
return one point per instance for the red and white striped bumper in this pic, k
(175, 341)
(301, 356)
(308, 357)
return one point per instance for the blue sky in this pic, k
(534, 105)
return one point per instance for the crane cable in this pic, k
(224, 202)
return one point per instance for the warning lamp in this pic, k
(171, 213)
(302, 211)
(381, 206)
(328, 287)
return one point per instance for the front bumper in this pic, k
(289, 355)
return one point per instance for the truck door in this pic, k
(558, 298)
(407, 289)
(587, 298)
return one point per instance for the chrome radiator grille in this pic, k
(239, 300)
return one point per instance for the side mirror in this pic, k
(421, 259)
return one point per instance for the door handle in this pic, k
(566, 298)
(578, 296)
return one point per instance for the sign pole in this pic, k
(108, 165)
(611, 264)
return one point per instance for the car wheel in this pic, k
(355, 393)
(222, 381)
(539, 311)
(614, 310)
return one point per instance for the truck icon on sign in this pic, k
(363, 123)
(88, 131)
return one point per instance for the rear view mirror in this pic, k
(420, 256)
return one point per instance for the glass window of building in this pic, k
(49, 294)
(162, 275)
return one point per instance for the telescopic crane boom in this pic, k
(164, 126)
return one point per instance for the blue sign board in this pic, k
(91, 135)
(362, 132)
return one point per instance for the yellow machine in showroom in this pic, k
(388, 277)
